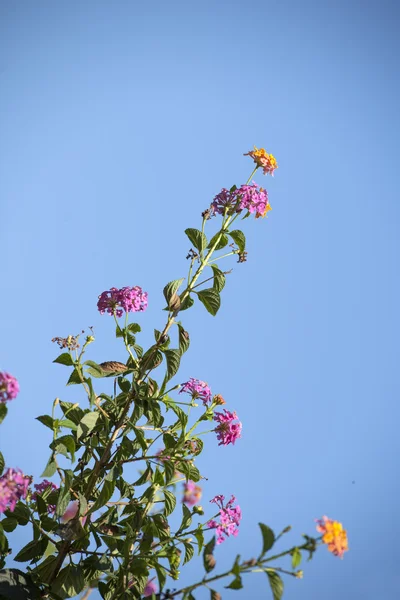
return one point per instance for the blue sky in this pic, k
(120, 122)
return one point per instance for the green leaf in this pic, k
(187, 303)
(169, 502)
(184, 339)
(215, 595)
(33, 550)
(64, 495)
(268, 538)
(173, 358)
(134, 328)
(199, 535)
(21, 512)
(189, 470)
(69, 582)
(197, 238)
(186, 518)
(276, 584)
(50, 468)
(239, 239)
(219, 279)
(9, 524)
(94, 369)
(211, 300)
(209, 561)
(3, 411)
(161, 575)
(2, 463)
(47, 421)
(236, 584)
(221, 244)
(64, 359)
(106, 492)
(68, 424)
(63, 445)
(87, 424)
(15, 585)
(189, 552)
(296, 558)
(74, 378)
(170, 291)
(75, 414)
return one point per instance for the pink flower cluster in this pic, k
(13, 486)
(247, 197)
(42, 487)
(229, 518)
(227, 431)
(197, 389)
(192, 493)
(126, 299)
(150, 589)
(9, 387)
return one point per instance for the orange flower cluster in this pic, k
(264, 160)
(334, 536)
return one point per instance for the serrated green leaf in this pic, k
(239, 239)
(184, 339)
(75, 378)
(3, 411)
(170, 292)
(169, 502)
(211, 300)
(189, 470)
(69, 582)
(189, 552)
(197, 238)
(173, 358)
(64, 359)
(46, 420)
(268, 538)
(187, 303)
(33, 550)
(219, 279)
(186, 518)
(222, 242)
(68, 424)
(21, 512)
(2, 463)
(161, 575)
(276, 584)
(87, 424)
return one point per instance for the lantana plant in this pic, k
(93, 524)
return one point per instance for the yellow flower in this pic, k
(264, 160)
(334, 536)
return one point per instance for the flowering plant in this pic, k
(95, 527)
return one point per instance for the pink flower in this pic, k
(192, 493)
(227, 431)
(9, 387)
(42, 487)
(246, 197)
(70, 513)
(197, 389)
(229, 518)
(13, 486)
(150, 588)
(126, 299)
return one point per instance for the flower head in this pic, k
(197, 389)
(42, 487)
(150, 588)
(333, 535)
(13, 486)
(71, 512)
(9, 387)
(264, 160)
(247, 197)
(227, 431)
(126, 299)
(192, 493)
(229, 518)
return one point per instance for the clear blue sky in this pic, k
(120, 121)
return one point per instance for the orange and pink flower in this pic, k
(334, 536)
